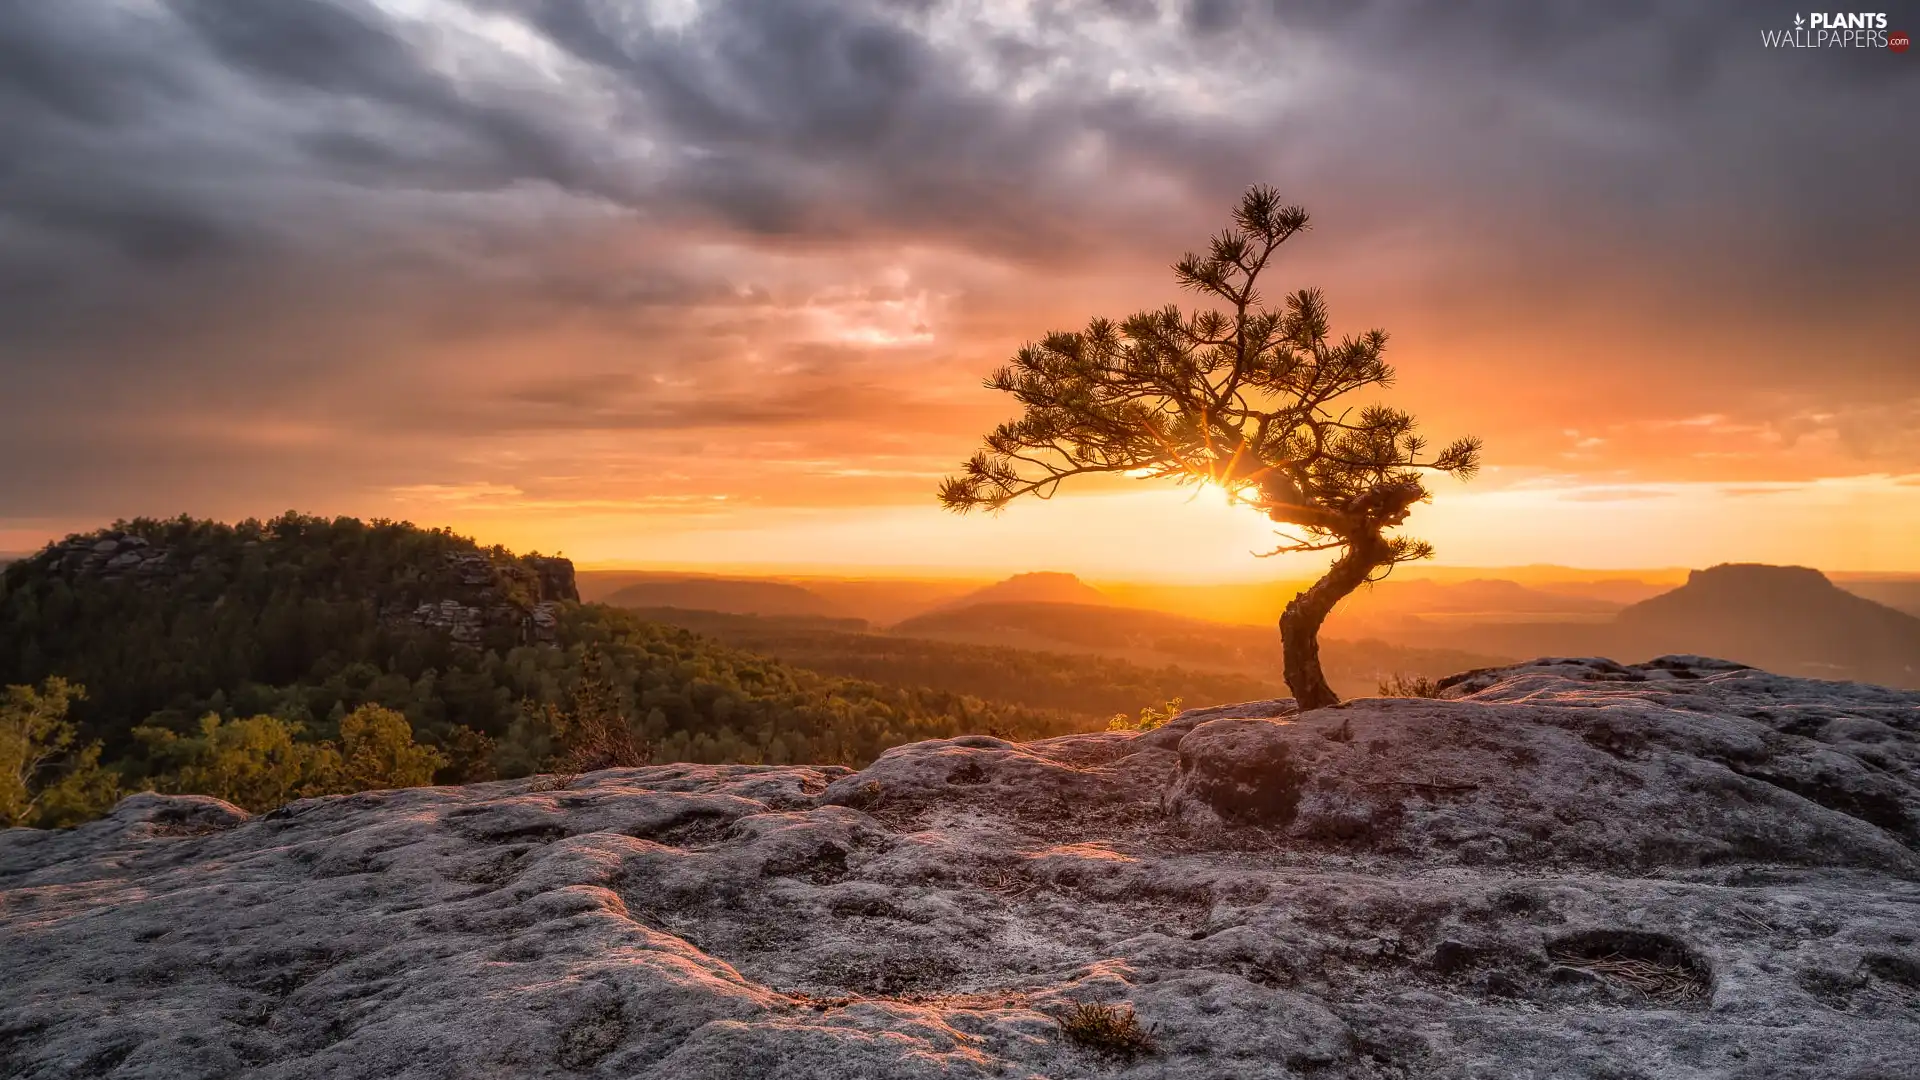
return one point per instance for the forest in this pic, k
(1087, 684)
(273, 659)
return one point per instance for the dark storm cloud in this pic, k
(347, 49)
(842, 120)
(829, 120)
(297, 194)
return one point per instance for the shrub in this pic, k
(377, 751)
(260, 762)
(47, 778)
(1109, 1030)
(591, 732)
(1150, 718)
(1403, 685)
(256, 762)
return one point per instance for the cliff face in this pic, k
(1570, 868)
(490, 593)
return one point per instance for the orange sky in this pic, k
(716, 285)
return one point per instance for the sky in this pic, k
(674, 283)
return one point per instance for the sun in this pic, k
(1212, 493)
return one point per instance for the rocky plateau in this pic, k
(1567, 868)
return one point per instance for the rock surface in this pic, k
(1570, 868)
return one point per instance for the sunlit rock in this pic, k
(1571, 868)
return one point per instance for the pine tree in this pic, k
(1240, 395)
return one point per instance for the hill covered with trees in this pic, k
(190, 642)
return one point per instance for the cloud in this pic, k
(313, 249)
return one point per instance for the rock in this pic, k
(1571, 868)
(126, 560)
(520, 598)
(459, 621)
(1242, 771)
(556, 580)
(545, 619)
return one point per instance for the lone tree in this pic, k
(1241, 395)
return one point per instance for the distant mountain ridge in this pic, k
(1038, 587)
(734, 596)
(1145, 636)
(1478, 595)
(1789, 619)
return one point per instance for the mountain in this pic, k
(1898, 591)
(885, 601)
(1478, 596)
(1042, 587)
(881, 601)
(1618, 592)
(737, 596)
(1408, 610)
(1412, 592)
(1783, 618)
(1158, 638)
(1086, 626)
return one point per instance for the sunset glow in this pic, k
(690, 299)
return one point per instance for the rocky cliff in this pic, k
(1562, 869)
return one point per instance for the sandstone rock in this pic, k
(1569, 869)
(545, 619)
(556, 580)
(461, 622)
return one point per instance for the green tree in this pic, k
(377, 751)
(47, 777)
(256, 763)
(591, 730)
(1247, 397)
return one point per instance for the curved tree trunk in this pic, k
(1300, 623)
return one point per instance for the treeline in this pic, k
(1095, 687)
(268, 635)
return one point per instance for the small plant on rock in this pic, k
(1403, 685)
(1150, 718)
(1109, 1030)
